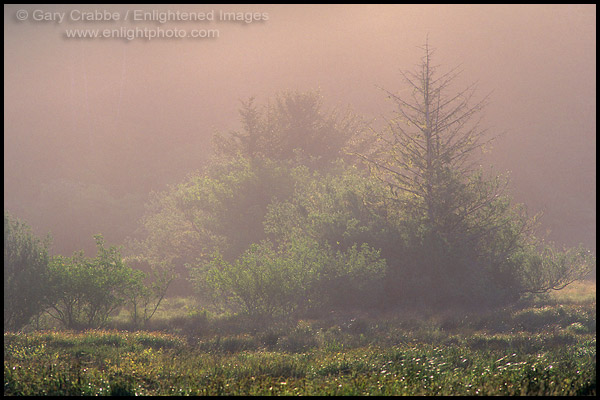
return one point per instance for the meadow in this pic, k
(544, 346)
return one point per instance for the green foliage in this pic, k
(87, 290)
(220, 209)
(26, 275)
(340, 208)
(344, 207)
(146, 292)
(295, 277)
(551, 269)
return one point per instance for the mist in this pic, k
(300, 200)
(121, 118)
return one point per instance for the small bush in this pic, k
(87, 291)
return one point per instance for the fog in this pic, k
(125, 117)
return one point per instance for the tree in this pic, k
(147, 290)
(464, 236)
(26, 275)
(292, 127)
(88, 290)
(426, 154)
(320, 252)
(222, 207)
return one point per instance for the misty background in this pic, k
(92, 126)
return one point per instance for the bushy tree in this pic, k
(87, 290)
(223, 206)
(220, 208)
(316, 256)
(464, 235)
(26, 276)
(342, 208)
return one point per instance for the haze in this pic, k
(121, 118)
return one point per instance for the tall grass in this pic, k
(471, 367)
(546, 347)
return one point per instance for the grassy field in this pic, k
(545, 347)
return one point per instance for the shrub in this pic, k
(298, 276)
(87, 290)
(26, 274)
